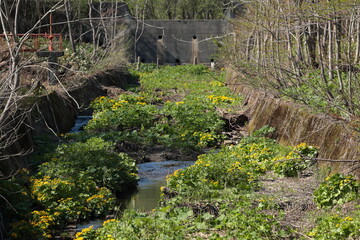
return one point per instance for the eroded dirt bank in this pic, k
(296, 123)
(55, 111)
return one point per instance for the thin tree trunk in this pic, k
(90, 2)
(357, 51)
(68, 18)
(330, 51)
(321, 58)
(337, 59)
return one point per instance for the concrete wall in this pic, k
(167, 41)
(179, 41)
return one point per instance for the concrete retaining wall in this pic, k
(179, 41)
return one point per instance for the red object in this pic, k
(39, 42)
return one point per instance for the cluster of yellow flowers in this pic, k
(42, 220)
(141, 103)
(220, 99)
(235, 167)
(118, 104)
(99, 196)
(110, 221)
(80, 235)
(176, 173)
(216, 84)
(204, 138)
(46, 181)
(201, 160)
(100, 99)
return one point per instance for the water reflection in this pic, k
(152, 177)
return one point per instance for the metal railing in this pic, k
(37, 42)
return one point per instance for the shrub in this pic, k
(72, 199)
(237, 166)
(336, 189)
(94, 158)
(127, 113)
(295, 161)
(334, 227)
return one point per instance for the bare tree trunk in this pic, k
(14, 51)
(103, 25)
(357, 51)
(68, 18)
(249, 44)
(90, 2)
(338, 73)
(330, 51)
(299, 52)
(330, 97)
(311, 44)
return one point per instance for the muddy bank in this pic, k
(55, 111)
(59, 109)
(296, 123)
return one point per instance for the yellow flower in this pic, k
(110, 221)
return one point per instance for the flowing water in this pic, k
(152, 177)
(80, 122)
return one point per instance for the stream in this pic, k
(152, 177)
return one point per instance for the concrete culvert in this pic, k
(160, 37)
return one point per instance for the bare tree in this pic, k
(12, 101)
(299, 47)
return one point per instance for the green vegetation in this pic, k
(336, 189)
(179, 9)
(78, 179)
(219, 197)
(183, 114)
(94, 159)
(215, 199)
(76, 182)
(335, 227)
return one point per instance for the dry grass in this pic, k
(294, 196)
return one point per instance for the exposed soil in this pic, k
(293, 195)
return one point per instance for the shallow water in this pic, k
(152, 177)
(80, 122)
